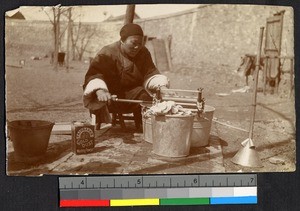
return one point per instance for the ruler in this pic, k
(155, 190)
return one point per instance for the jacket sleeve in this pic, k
(95, 76)
(94, 80)
(153, 79)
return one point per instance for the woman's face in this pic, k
(132, 45)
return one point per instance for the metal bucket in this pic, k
(171, 135)
(147, 125)
(147, 130)
(202, 127)
(30, 138)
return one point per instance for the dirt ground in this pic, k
(36, 91)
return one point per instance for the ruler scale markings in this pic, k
(184, 186)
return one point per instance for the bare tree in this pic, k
(79, 35)
(86, 32)
(74, 39)
(54, 19)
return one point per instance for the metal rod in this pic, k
(114, 98)
(187, 104)
(149, 102)
(185, 100)
(261, 34)
(179, 90)
(130, 101)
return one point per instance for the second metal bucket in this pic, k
(202, 127)
(147, 125)
(171, 135)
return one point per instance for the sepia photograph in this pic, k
(149, 89)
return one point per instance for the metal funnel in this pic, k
(247, 155)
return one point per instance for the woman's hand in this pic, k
(103, 96)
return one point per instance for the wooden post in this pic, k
(167, 47)
(265, 74)
(261, 34)
(129, 14)
(291, 77)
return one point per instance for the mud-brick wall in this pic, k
(218, 34)
(106, 33)
(28, 38)
(212, 34)
(35, 38)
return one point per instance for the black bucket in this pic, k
(30, 138)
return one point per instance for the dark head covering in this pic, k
(130, 29)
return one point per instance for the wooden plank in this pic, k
(272, 49)
(160, 55)
(62, 128)
(292, 78)
(265, 75)
(168, 53)
(274, 19)
(150, 47)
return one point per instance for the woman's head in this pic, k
(131, 39)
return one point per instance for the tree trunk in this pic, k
(68, 40)
(129, 14)
(56, 36)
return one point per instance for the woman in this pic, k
(123, 68)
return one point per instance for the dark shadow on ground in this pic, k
(101, 149)
(96, 168)
(278, 113)
(54, 152)
(175, 163)
(197, 155)
(260, 148)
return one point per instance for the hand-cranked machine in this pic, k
(189, 99)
